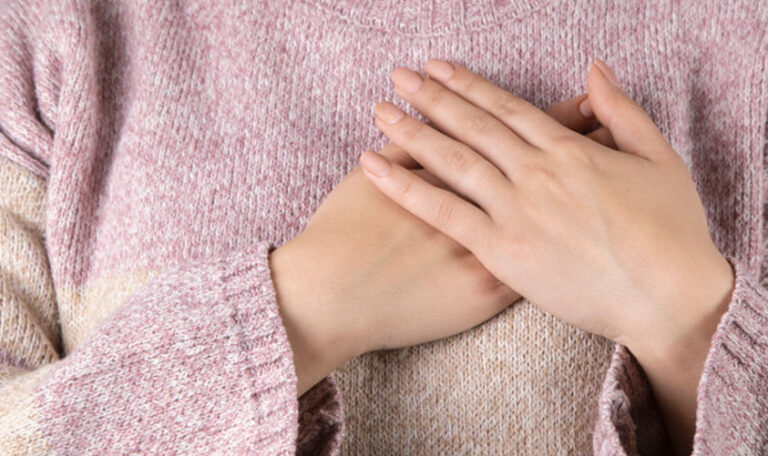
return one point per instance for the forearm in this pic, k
(674, 368)
(319, 346)
(674, 386)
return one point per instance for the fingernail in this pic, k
(607, 72)
(388, 112)
(407, 80)
(375, 163)
(586, 108)
(439, 69)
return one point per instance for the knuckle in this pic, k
(403, 188)
(411, 130)
(456, 158)
(538, 174)
(567, 143)
(477, 122)
(507, 105)
(481, 173)
(574, 150)
(467, 83)
(443, 213)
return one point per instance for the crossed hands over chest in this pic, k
(496, 199)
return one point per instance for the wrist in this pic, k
(673, 361)
(682, 335)
(318, 342)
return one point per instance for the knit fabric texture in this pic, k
(153, 154)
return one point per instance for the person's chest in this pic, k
(227, 134)
(222, 135)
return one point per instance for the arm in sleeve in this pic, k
(732, 396)
(196, 361)
(732, 393)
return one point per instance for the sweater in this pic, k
(153, 154)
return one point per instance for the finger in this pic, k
(398, 155)
(603, 136)
(569, 115)
(526, 120)
(632, 129)
(466, 171)
(442, 209)
(461, 119)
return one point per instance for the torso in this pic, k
(266, 119)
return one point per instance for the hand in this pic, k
(365, 274)
(612, 240)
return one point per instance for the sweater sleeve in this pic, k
(196, 361)
(732, 392)
(732, 397)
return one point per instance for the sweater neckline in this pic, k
(428, 17)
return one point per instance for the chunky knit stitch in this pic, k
(152, 154)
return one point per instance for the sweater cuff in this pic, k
(314, 423)
(321, 419)
(732, 393)
(629, 421)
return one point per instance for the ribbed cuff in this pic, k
(733, 391)
(268, 364)
(629, 421)
(267, 361)
(321, 419)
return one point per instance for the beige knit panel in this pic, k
(30, 323)
(20, 433)
(23, 195)
(88, 306)
(521, 384)
(29, 326)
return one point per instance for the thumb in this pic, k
(632, 129)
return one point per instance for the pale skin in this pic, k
(510, 198)
(621, 230)
(366, 274)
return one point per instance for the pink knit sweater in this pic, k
(153, 153)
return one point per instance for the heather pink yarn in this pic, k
(180, 142)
